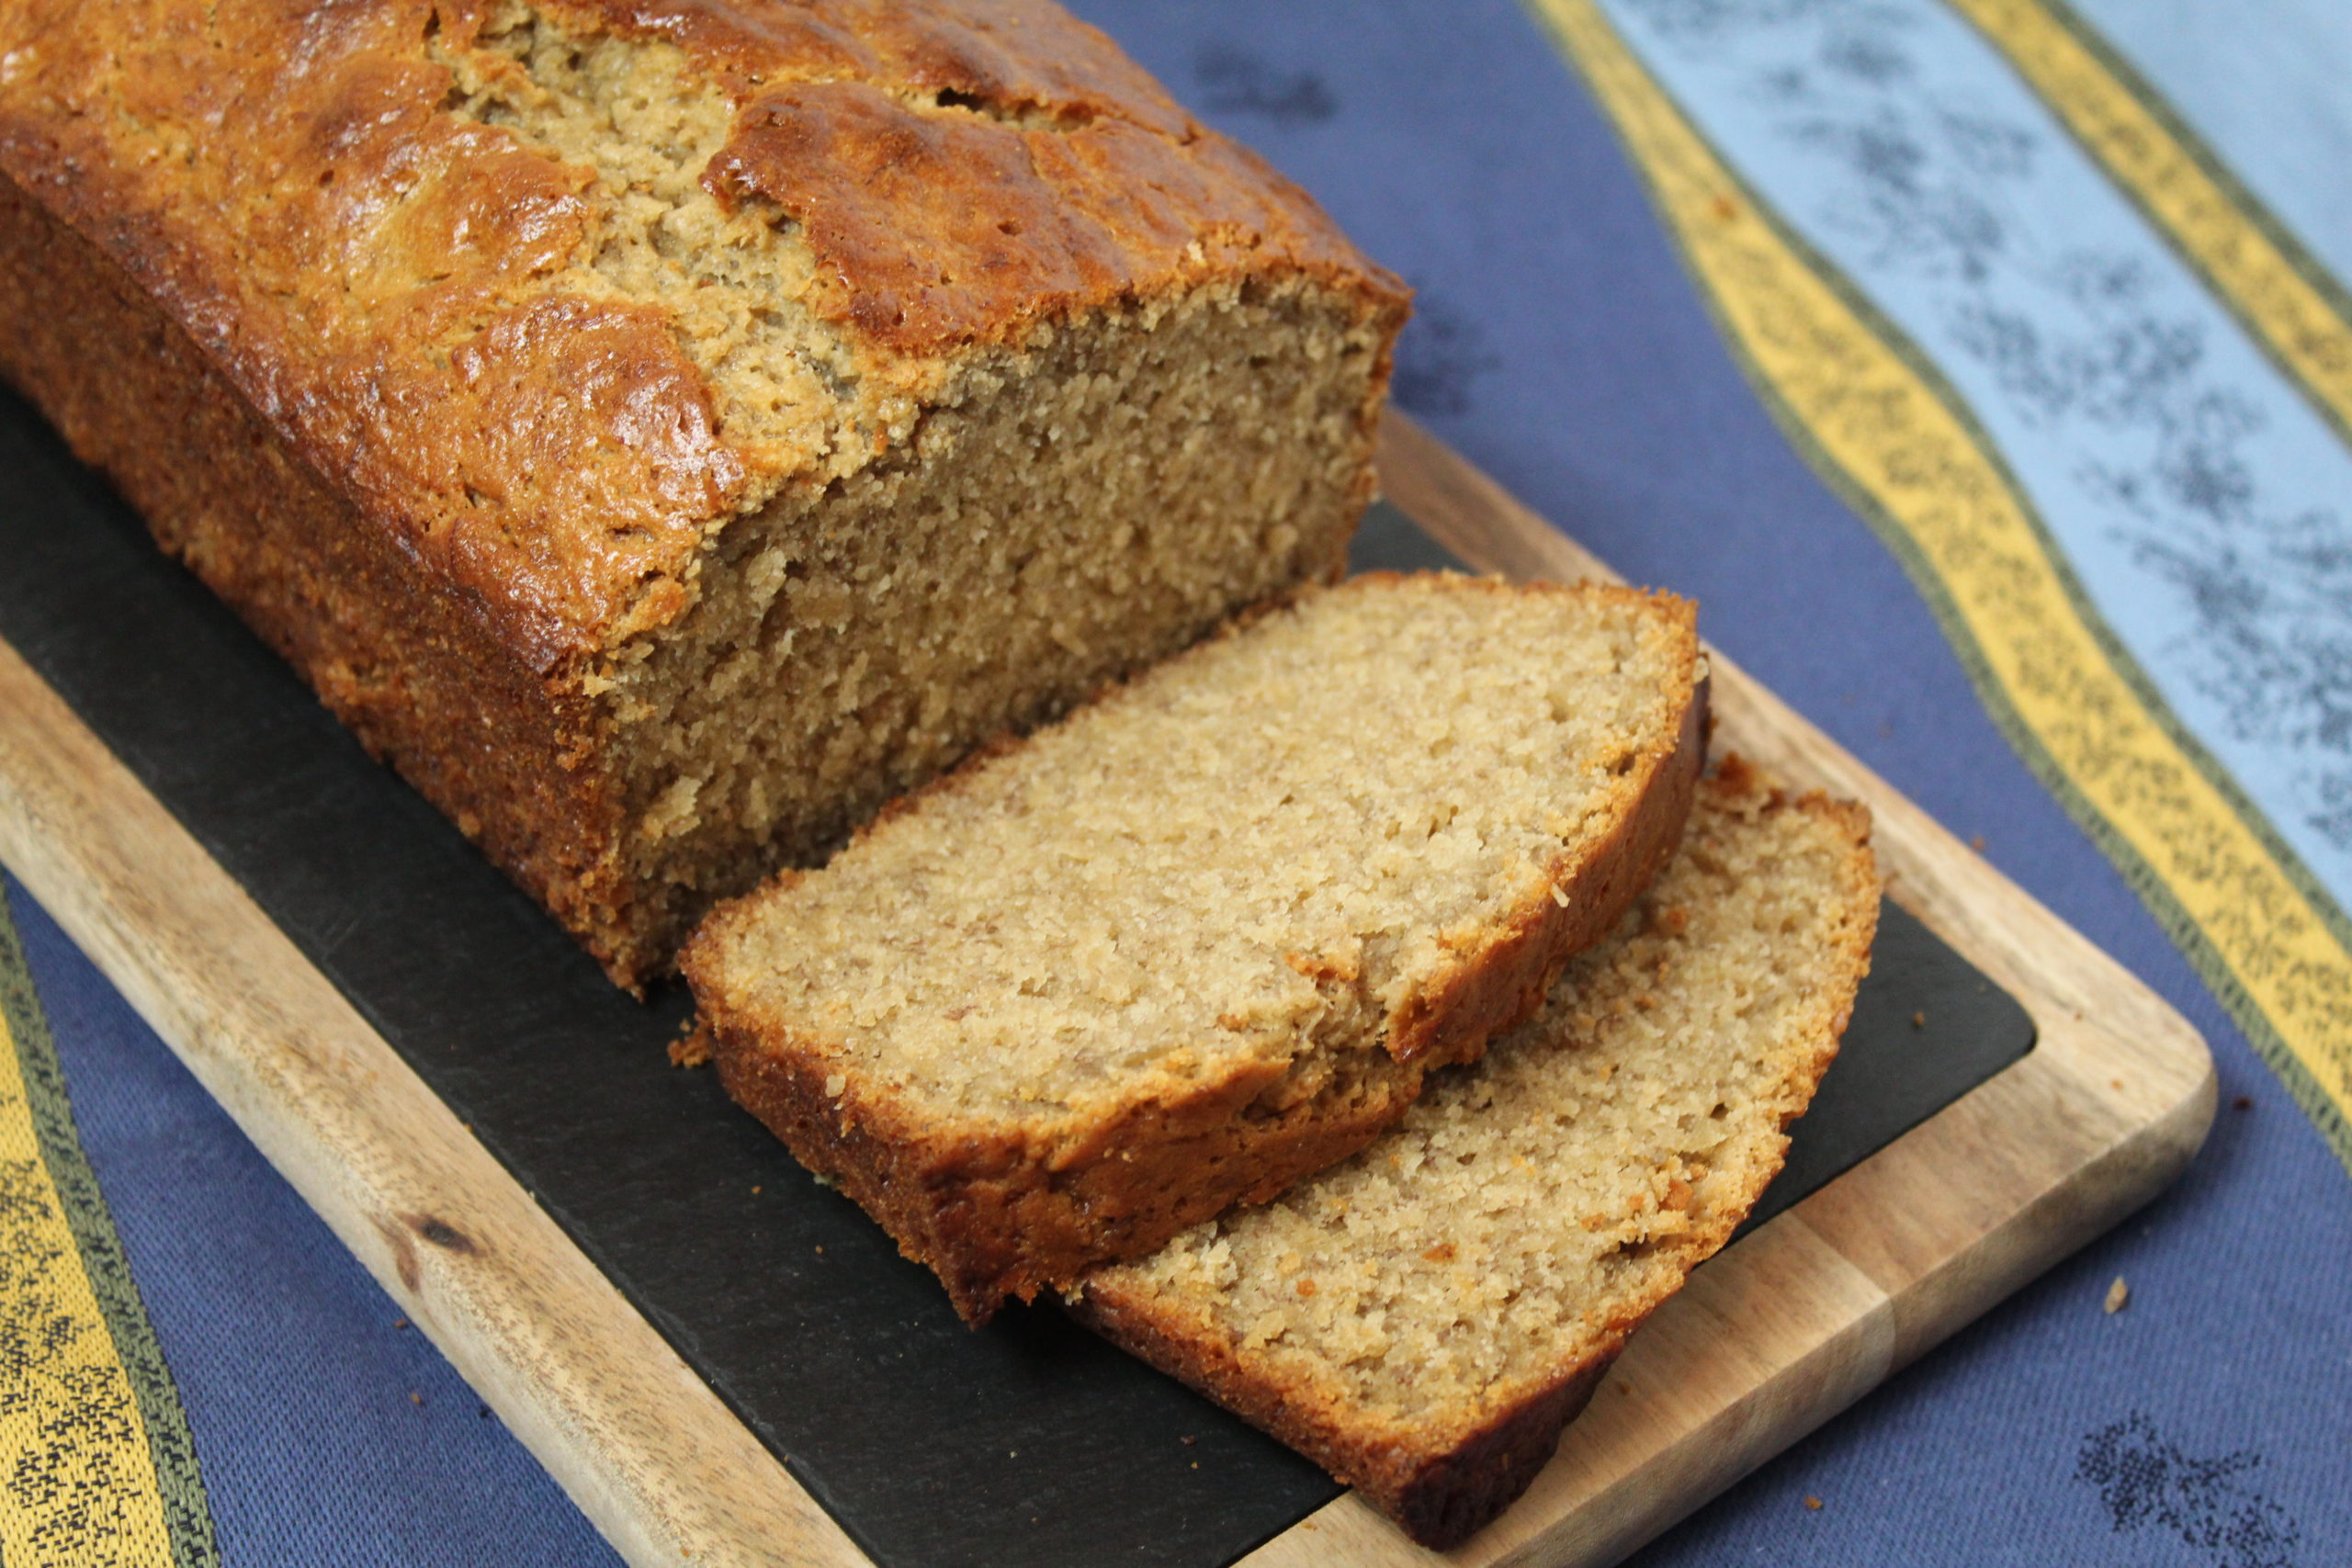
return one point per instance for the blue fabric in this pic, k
(1561, 346)
(295, 1377)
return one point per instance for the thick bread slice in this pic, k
(1204, 937)
(1424, 1319)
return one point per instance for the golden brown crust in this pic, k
(366, 270)
(463, 481)
(1443, 1481)
(966, 169)
(426, 684)
(996, 1210)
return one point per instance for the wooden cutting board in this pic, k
(1786, 1327)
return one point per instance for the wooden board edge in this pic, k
(666, 1473)
(2111, 1105)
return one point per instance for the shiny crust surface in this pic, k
(426, 685)
(374, 274)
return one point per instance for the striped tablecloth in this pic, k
(1984, 368)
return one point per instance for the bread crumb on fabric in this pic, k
(691, 1049)
(2119, 1295)
(1814, 1503)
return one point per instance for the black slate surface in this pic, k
(1029, 1443)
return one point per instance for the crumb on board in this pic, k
(1918, 1020)
(691, 1049)
(2118, 1295)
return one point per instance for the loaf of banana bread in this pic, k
(666, 433)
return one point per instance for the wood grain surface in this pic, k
(1781, 1332)
(663, 1469)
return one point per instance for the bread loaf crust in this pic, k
(425, 680)
(999, 1209)
(456, 489)
(1441, 1495)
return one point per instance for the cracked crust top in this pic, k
(405, 291)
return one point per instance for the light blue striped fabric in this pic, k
(2203, 505)
(2265, 85)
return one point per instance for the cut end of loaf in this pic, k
(1179, 951)
(1068, 515)
(974, 491)
(1422, 1319)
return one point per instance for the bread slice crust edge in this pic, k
(1443, 1482)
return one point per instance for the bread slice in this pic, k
(1424, 1319)
(1204, 937)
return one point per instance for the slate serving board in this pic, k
(1026, 1443)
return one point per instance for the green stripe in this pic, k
(172, 1448)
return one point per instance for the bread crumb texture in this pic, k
(1253, 851)
(1529, 1211)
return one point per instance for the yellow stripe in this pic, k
(77, 1478)
(1882, 428)
(2284, 299)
